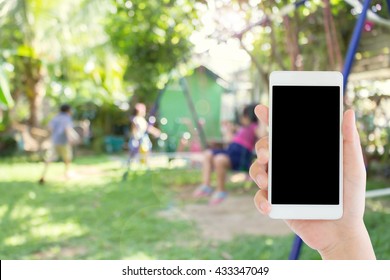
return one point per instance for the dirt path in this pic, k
(235, 216)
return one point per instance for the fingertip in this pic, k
(253, 170)
(261, 109)
(263, 156)
(261, 180)
(350, 112)
(349, 126)
(349, 117)
(261, 202)
(262, 150)
(265, 207)
(261, 112)
(257, 199)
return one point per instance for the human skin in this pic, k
(346, 238)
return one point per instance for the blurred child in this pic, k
(237, 156)
(62, 136)
(139, 141)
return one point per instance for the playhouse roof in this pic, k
(219, 80)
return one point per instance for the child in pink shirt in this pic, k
(237, 156)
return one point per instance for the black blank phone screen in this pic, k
(305, 145)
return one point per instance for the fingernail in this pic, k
(258, 180)
(263, 207)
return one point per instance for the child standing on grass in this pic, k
(140, 128)
(237, 156)
(62, 133)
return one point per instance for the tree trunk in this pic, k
(295, 34)
(328, 35)
(35, 102)
(292, 45)
(34, 89)
(274, 49)
(334, 52)
(335, 39)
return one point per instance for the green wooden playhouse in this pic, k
(205, 91)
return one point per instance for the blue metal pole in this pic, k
(296, 248)
(299, 3)
(354, 43)
(388, 5)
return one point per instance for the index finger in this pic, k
(261, 112)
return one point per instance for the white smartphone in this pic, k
(305, 170)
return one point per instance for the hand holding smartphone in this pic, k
(343, 238)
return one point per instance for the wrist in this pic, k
(352, 246)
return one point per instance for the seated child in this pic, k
(237, 156)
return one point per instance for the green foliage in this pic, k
(84, 51)
(154, 37)
(307, 23)
(60, 50)
(5, 95)
(373, 118)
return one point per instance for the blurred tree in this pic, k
(373, 115)
(59, 49)
(5, 95)
(153, 35)
(332, 39)
(294, 41)
(18, 42)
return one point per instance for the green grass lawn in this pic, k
(96, 216)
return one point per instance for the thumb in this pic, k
(354, 169)
(353, 155)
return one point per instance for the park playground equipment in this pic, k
(192, 107)
(189, 112)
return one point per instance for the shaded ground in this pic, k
(61, 253)
(235, 216)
